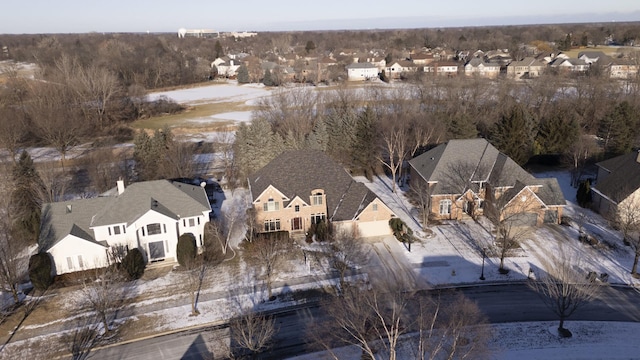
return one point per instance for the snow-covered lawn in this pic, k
(452, 253)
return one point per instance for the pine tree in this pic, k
(363, 150)
(558, 132)
(255, 145)
(461, 127)
(514, 134)
(319, 136)
(243, 75)
(218, 49)
(583, 195)
(267, 80)
(618, 129)
(25, 200)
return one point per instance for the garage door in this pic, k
(374, 228)
(524, 219)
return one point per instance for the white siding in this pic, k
(92, 255)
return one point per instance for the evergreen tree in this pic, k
(40, 266)
(267, 80)
(150, 151)
(218, 49)
(310, 46)
(558, 132)
(461, 127)
(186, 249)
(255, 145)
(25, 200)
(514, 134)
(583, 195)
(364, 150)
(619, 129)
(243, 75)
(319, 136)
(341, 122)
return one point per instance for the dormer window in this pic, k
(316, 199)
(271, 205)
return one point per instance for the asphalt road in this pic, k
(500, 303)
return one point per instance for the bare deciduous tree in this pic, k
(394, 142)
(252, 332)
(346, 252)
(196, 271)
(379, 320)
(420, 195)
(268, 254)
(450, 326)
(13, 259)
(105, 293)
(565, 288)
(84, 338)
(55, 116)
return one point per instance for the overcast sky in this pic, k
(79, 16)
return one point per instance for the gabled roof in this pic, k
(160, 195)
(68, 217)
(436, 164)
(78, 217)
(623, 178)
(485, 164)
(298, 172)
(364, 65)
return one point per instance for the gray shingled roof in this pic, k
(623, 178)
(58, 221)
(162, 196)
(437, 164)
(169, 198)
(298, 172)
(364, 65)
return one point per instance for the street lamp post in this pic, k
(484, 254)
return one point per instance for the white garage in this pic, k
(374, 228)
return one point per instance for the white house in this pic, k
(227, 69)
(479, 67)
(149, 215)
(397, 69)
(361, 71)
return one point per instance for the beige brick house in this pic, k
(303, 187)
(467, 178)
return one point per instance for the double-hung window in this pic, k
(445, 207)
(271, 205)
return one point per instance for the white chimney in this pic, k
(120, 186)
(231, 62)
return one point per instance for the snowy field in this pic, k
(231, 91)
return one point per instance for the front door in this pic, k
(156, 250)
(296, 223)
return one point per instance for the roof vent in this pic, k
(203, 184)
(154, 203)
(69, 208)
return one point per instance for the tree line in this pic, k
(378, 127)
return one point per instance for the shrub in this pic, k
(133, 264)
(186, 250)
(400, 230)
(40, 266)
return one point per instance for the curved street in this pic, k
(500, 303)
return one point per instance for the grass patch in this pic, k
(192, 113)
(607, 50)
